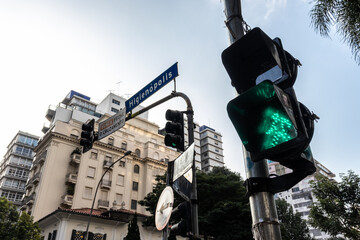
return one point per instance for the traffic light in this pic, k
(182, 228)
(88, 135)
(269, 120)
(174, 129)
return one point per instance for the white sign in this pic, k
(184, 162)
(112, 124)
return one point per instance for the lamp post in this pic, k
(97, 187)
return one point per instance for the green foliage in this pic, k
(133, 230)
(337, 210)
(224, 211)
(292, 226)
(345, 15)
(13, 226)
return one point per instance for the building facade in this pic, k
(15, 166)
(300, 196)
(63, 177)
(211, 149)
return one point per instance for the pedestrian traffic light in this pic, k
(182, 228)
(88, 135)
(256, 57)
(174, 129)
(264, 118)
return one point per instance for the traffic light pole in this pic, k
(262, 204)
(190, 117)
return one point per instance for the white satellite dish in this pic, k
(164, 208)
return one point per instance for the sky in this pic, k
(48, 48)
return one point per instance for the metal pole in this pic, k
(262, 204)
(97, 188)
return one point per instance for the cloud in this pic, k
(272, 5)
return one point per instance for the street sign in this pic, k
(184, 162)
(112, 124)
(152, 87)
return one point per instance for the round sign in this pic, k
(164, 208)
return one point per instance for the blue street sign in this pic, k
(152, 87)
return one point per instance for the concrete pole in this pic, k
(263, 210)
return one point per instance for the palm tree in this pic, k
(345, 15)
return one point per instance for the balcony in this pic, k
(105, 184)
(40, 158)
(71, 178)
(107, 164)
(50, 113)
(34, 179)
(29, 200)
(75, 158)
(103, 204)
(68, 200)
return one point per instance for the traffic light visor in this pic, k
(263, 117)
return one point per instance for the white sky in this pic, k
(48, 48)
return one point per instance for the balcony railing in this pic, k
(68, 199)
(71, 177)
(75, 158)
(29, 200)
(105, 183)
(107, 164)
(103, 203)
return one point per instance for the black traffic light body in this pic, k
(269, 120)
(88, 135)
(182, 228)
(174, 129)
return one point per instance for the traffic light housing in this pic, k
(269, 120)
(182, 228)
(88, 135)
(174, 129)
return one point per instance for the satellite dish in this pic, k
(164, 208)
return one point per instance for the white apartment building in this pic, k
(211, 148)
(300, 196)
(62, 179)
(15, 166)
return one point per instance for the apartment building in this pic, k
(211, 148)
(62, 177)
(15, 166)
(300, 196)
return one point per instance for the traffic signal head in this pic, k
(174, 129)
(256, 57)
(182, 228)
(265, 121)
(87, 135)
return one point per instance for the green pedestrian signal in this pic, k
(264, 119)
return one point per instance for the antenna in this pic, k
(118, 83)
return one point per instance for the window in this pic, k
(91, 172)
(114, 101)
(135, 186)
(93, 155)
(88, 192)
(111, 141)
(120, 180)
(122, 163)
(118, 198)
(156, 156)
(295, 189)
(108, 158)
(137, 152)
(216, 150)
(136, 169)
(205, 154)
(123, 145)
(215, 136)
(114, 110)
(133, 204)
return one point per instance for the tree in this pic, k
(224, 211)
(14, 226)
(345, 15)
(292, 226)
(133, 230)
(337, 209)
